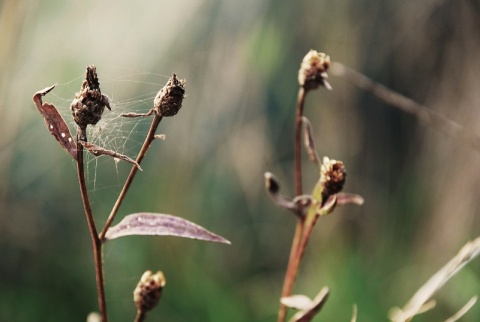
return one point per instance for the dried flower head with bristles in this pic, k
(148, 291)
(169, 99)
(332, 176)
(313, 71)
(88, 106)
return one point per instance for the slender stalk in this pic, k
(97, 244)
(146, 144)
(292, 268)
(298, 141)
(140, 316)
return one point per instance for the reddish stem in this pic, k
(97, 244)
(143, 151)
(292, 268)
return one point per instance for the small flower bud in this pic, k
(313, 70)
(332, 177)
(148, 291)
(88, 106)
(271, 183)
(169, 99)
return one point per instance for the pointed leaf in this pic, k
(55, 123)
(98, 150)
(145, 223)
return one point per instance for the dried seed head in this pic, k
(332, 177)
(169, 99)
(313, 70)
(148, 291)
(88, 106)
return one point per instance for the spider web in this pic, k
(129, 91)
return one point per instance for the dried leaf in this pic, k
(347, 198)
(308, 314)
(328, 206)
(273, 188)
(299, 302)
(55, 123)
(154, 224)
(309, 141)
(98, 150)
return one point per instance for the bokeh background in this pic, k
(240, 60)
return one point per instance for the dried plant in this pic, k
(326, 194)
(87, 109)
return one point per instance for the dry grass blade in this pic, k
(354, 314)
(425, 293)
(425, 115)
(463, 310)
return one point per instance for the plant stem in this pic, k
(97, 244)
(292, 268)
(146, 144)
(298, 141)
(140, 316)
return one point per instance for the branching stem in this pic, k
(143, 151)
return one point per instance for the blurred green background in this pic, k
(240, 60)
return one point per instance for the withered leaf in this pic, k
(299, 302)
(307, 314)
(309, 140)
(55, 123)
(154, 224)
(98, 150)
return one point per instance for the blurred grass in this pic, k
(240, 60)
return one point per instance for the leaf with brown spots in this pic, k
(55, 123)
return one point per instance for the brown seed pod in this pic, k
(148, 291)
(169, 99)
(332, 177)
(88, 106)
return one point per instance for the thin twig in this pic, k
(97, 245)
(146, 144)
(425, 115)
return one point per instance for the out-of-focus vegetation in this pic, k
(240, 60)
